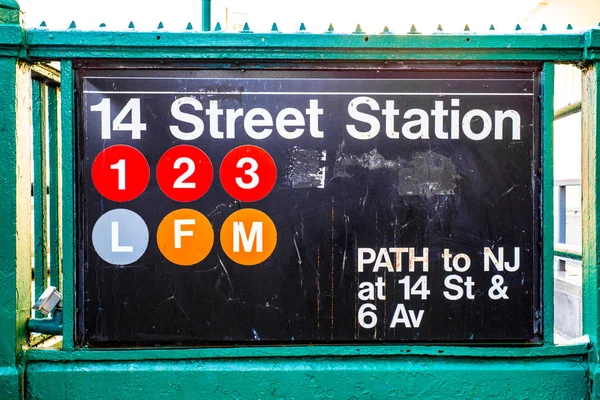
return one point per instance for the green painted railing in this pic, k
(59, 370)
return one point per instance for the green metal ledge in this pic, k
(463, 46)
(468, 46)
(34, 354)
(325, 378)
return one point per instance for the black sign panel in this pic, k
(310, 205)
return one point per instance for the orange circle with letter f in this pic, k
(185, 237)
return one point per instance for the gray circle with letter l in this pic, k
(120, 237)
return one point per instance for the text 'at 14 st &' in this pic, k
(458, 284)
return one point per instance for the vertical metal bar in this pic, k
(54, 195)
(562, 222)
(36, 187)
(590, 181)
(206, 15)
(39, 189)
(15, 229)
(548, 202)
(44, 162)
(67, 190)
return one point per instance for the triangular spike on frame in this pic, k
(413, 29)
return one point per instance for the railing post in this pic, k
(15, 202)
(590, 181)
(548, 201)
(562, 222)
(206, 15)
(67, 190)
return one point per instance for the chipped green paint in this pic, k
(9, 317)
(378, 371)
(9, 12)
(309, 378)
(590, 178)
(67, 189)
(40, 227)
(54, 198)
(275, 45)
(547, 179)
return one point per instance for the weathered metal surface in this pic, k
(15, 203)
(214, 45)
(590, 179)
(547, 230)
(40, 226)
(411, 192)
(67, 206)
(303, 378)
(54, 195)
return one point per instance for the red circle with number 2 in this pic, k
(184, 173)
(120, 173)
(248, 173)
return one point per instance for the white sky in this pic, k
(317, 14)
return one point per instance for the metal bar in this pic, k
(567, 110)
(50, 326)
(15, 229)
(67, 190)
(568, 251)
(547, 275)
(39, 189)
(567, 255)
(43, 44)
(562, 214)
(562, 222)
(567, 182)
(44, 177)
(163, 355)
(46, 72)
(54, 195)
(206, 15)
(590, 153)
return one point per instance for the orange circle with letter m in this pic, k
(248, 236)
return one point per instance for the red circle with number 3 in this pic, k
(184, 173)
(120, 173)
(248, 173)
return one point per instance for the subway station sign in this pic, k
(313, 205)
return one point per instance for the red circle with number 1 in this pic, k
(120, 173)
(248, 173)
(184, 173)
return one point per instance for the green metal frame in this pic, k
(443, 371)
